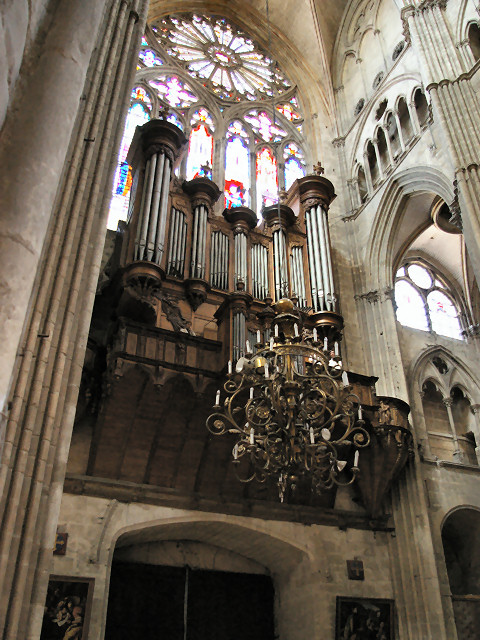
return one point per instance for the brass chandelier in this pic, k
(291, 411)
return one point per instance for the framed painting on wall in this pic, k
(67, 608)
(364, 619)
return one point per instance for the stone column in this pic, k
(475, 408)
(379, 160)
(34, 142)
(46, 386)
(456, 109)
(457, 454)
(368, 175)
(399, 130)
(389, 148)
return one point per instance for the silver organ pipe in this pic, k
(259, 271)
(197, 263)
(162, 214)
(298, 277)
(176, 244)
(238, 335)
(240, 248)
(219, 260)
(150, 238)
(315, 260)
(280, 264)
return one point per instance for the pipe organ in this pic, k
(232, 261)
(191, 290)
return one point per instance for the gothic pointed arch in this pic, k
(392, 230)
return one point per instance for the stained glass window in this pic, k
(200, 153)
(191, 70)
(174, 119)
(237, 167)
(264, 127)
(173, 91)
(149, 58)
(423, 301)
(137, 115)
(221, 56)
(289, 110)
(294, 164)
(139, 93)
(202, 115)
(443, 315)
(267, 184)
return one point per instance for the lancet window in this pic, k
(239, 111)
(425, 302)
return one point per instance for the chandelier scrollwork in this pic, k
(291, 409)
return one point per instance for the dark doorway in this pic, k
(150, 602)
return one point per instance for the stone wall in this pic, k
(307, 563)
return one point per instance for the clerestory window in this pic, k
(424, 301)
(241, 114)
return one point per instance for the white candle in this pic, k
(271, 344)
(315, 334)
(235, 451)
(345, 378)
(247, 346)
(312, 436)
(295, 329)
(217, 400)
(335, 346)
(275, 333)
(355, 460)
(266, 370)
(258, 336)
(325, 344)
(252, 436)
(229, 366)
(360, 414)
(251, 392)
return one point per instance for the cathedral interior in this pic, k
(239, 266)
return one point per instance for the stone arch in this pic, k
(460, 531)
(458, 373)
(459, 439)
(420, 102)
(393, 228)
(366, 121)
(280, 554)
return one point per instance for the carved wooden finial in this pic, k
(205, 170)
(163, 112)
(318, 169)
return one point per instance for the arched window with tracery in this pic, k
(425, 302)
(237, 167)
(200, 147)
(294, 162)
(241, 114)
(138, 114)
